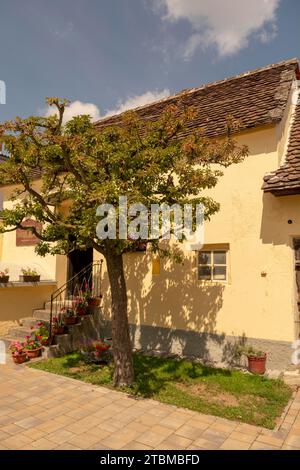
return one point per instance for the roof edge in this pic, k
(293, 61)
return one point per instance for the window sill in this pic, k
(13, 284)
(213, 282)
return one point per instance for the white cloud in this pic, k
(227, 25)
(76, 108)
(138, 100)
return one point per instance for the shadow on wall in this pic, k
(277, 211)
(173, 312)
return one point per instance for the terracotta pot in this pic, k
(94, 302)
(58, 331)
(32, 353)
(257, 365)
(4, 279)
(20, 358)
(81, 311)
(24, 278)
(70, 320)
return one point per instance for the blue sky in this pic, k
(120, 53)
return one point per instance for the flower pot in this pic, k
(45, 342)
(94, 302)
(4, 279)
(32, 353)
(24, 278)
(19, 358)
(58, 331)
(70, 320)
(81, 311)
(257, 365)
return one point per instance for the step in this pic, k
(29, 322)
(19, 332)
(8, 340)
(51, 351)
(41, 314)
(58, 304)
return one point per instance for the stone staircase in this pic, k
(89, 328)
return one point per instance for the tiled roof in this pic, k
(286, 180)
(254, 98)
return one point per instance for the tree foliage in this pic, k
(149, 162)
(60, 173)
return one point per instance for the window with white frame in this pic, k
(213, 265)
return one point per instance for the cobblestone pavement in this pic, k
(39, 410)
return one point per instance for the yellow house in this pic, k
(243, 282)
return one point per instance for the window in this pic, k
(212, 265)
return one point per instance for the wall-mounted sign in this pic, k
(26, 237)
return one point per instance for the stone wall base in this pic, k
(210, 348)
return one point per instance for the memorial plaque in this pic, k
(26, 237)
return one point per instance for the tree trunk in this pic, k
(122, 348)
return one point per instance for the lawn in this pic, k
(231, 394)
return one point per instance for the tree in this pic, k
(149, 162)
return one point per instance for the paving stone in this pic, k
(243, 437)
(28, 423)
(234, 444)
(60, 436)
(205, 444)
(43, 444)
(215, 436)
(261, 446)
(293, 439)
(67, 446)
(177, 441)
(191, 432)
(54, 412)
(133, 445)
(273, 441)
(150, 438)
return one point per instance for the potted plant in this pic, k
(94, 301)
(95, 352)
(58, 325)
(32, 347)
(100, 346)
(81, 306)
(91, 299)
(70, 316)
(18, 352)
(4, 277)
(29, 275)
(42, 333)
(256, 359)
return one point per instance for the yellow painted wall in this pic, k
(260, 239)
(23, 255)
(254, 225)
(18, 301)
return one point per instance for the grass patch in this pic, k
(230, 394)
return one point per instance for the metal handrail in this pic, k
(80, 277)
